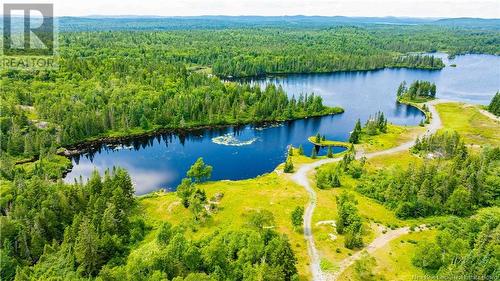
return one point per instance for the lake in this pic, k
(248, 151)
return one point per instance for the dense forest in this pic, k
(130, 82)
(458, 186)
(78, 231)
(119, 83)
(466, 247)
(93, 108)
(76, 24)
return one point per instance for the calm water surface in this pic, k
(248, 151)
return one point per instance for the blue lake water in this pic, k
(248, 151)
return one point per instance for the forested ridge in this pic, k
(251, 52)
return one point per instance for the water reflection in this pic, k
(161, 161)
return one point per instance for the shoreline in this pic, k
(329, 143)
(89, 145)
(418, 106)
(245, 78)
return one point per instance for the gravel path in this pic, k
(376, 244)
(489, 115)
(300, 177)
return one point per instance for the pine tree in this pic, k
(494, 106)
(355, 134)
(288, 166)
(297, 217)
(314, 154)
(329, 153)
(318, 138)
(335, 180)
(290, 151)
(401, 89)
(86, 248)
(144, 122)
(301, 150)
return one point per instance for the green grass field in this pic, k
(393, 261)
(395, 136)
(277, 193)
(473, 126)
(272, 192)
(328, 142)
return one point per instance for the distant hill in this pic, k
(131, 22)
(473, 22)
(217, 22)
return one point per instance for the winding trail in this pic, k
(490, 115)
(300, 177)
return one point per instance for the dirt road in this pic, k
(301, 177)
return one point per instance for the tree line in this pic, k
(93, 109)
(87, 230)
(373, 126)
(418, 91)
(494, 106)
(441, 145)
(464, 247)
(459, 186)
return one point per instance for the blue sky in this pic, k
(375, 8)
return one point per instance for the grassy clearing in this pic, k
(200, 69)
(278, 194)
(272, 192)
(393, 261)
(473, 126)
(395, 136)
(375, 217)
(401, 159)
(299, 159)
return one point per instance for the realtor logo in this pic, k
(28, 29)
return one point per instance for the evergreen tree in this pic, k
(317, 139)
(86, 248)
(401, 89)
(144, 122)
(200, 171)
(288, 166)
(355, 134)
(297, 217)
(301, 150)
(314, 154)
(329, 153)
(494, 106)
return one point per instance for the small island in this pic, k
(321, 141)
